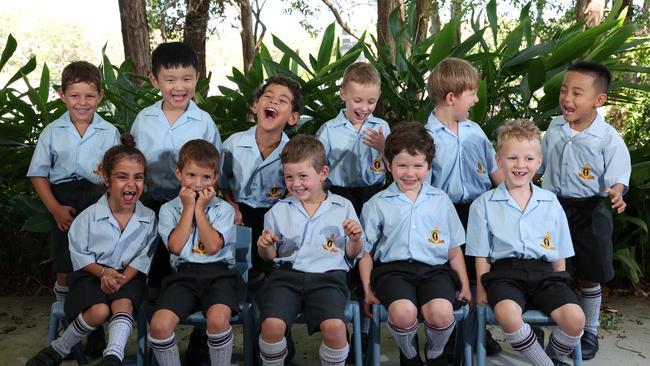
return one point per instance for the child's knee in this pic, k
(570, 318)
(97, 314)
(163, 324)
(273, 329)
(332, 328)
(508, 314)
(438, 312)
(122, 306)
(218, 318)
(402, 313)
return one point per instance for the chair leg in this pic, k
(356, 328)
(577, 355)
(375, 327)
(248, 336)
(468, 337)
(480, 340)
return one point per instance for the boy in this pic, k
(584, 160)
(63, 167)
(520, 238)
(412, 230)
(313, 238)
(160, 130)
(251, 173)
(197, 228)
(464, 166)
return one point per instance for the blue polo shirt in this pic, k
(161, 143)
(62, 155)
(95, 237)
(498, 229)
(252, 180)
(352, 163)
(583, 164)
(463, 163)
(398, 229)
(312, 244)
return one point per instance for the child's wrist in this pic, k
(101, 273)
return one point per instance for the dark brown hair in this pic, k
(304, 147)
(199, 152)
(116, 153)
(81, 72)
(411, 137)
(292, 85)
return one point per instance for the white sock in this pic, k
(524, 341)
(273, 354)
(73, 334)
(405, 338)
(166, 351)
(437, 338)
(333, 357)
(220, 347)
(119, 330)
(60, 291)
(560, 344)
(590, 299)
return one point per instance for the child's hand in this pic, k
(267, 239)
(481, 295)
(352, 229)
(369, 299)
(239, 218)
(617, 200)
(111, 281)
(465, 294)
(64, 215)
(204, 198)
(375, 138)
(188, 197)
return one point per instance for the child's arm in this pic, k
(265, 245)
(354, 232)
(482, 267)
(457, 263)
(181, 233)
(559, 265)
(497, 177)
(227, 195)
(369, 298)
(211, 239)
(615, 194)
(375, 138)
(63, 215)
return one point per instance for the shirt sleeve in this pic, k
(79, 239)
(618, 166)
(167, 223)
(542, 167)
(142, 260)
(213, 133)
(224, 222)
(226, 164)
(371, 223)
(478, 234)
(456, 230)
(323, 136)
(563, 233)
(490, 154)
(41, 163)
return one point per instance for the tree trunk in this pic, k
(456, 10)
(590, 12)
(196, 25)
(435, 17)
(247, 35)
(384, 38)
(135, 35)
(422, 11)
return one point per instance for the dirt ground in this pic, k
(624, 340)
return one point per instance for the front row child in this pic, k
(198, 229)
(520, 237)
(314, 238)
(412, 230)
(111, 249)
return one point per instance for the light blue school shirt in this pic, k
(498, 229)
(313, 244)
(398, 229)
(463, 163)
(583, 165)
(95, 237)
(62, 155)
(252, 180)
(352, 163)
(161, 143)
(221, 216)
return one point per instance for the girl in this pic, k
(111, 249)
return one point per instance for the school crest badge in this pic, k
(377, 165)
(585, 173)
(98, 169)
(274, 192)
(546, 242)
(199, 249)
(479, 167)
(329, 244)
(434, 238)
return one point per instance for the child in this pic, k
(111, 245)
(584, 160)
(464, 166)
(313, 237)
(520, 238)
(251, 172)
(412, 230)
(198, 229)
(63, 167)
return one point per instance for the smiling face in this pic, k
(519, 161)
(360, 100)
(461, 104)
(196, 177)
(579, 98)
(274, 108)
(409, 171)
(81, 99)
(304, 182)
(177, 86)
(125, 184)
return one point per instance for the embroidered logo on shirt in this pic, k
(329, 244)
(434, 238)
(546, 242)
(98, 169)
(377, 166)
(585, 173)
(199, 249)
(273, 193)
(479, 167)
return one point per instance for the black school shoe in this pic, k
(559, 363)
(415, 361)
(197, 350)
(589, 344)
(492, 347)
(45, 357)
(96, 343)
(438, 361)
(110, 360)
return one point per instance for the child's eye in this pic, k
(139, 178)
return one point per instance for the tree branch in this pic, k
(339, 20)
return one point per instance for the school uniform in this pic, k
(409, 242)
(521, 245)
(200, 280)
(357, 170)
(69, 162)
(311, 261)
(578, 167)
(95, 237)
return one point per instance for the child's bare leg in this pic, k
(273, 345)
(403, 324)
(519, 334)
(163, 339)
(219, 334)
(334, 349)
(439, 323)
(119, 327)
(570, 322)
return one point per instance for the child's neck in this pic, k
(122, 215)
(357, 126)
(172, 114)
(267, 141)
(584, 124)
(521, 195)
(312, 205)
(411, 194)
(81, 126)
(444, 115)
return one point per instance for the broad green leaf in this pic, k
(23, 71)
(635, 221)
(326, 46)
(491, 11)
(10, 48)
(443, 44)
(536, 75)
(510, 45)
(467, 45)
(576, 45)
(44, 87)
(611, 44)
(38, 223)
(292, 54)
(478, 111)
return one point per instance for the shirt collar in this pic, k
(103, 211)
(193, 111)
(98, 123)
(248, 138)
(394, 191)
(501, 194)
(598, 127)
(433, 123)
(340, 119)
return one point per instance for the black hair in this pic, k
(597, 70)
(172, 55)
(291, 84)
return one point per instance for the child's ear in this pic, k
(386, 164)
(324, 173)
(154, 81)
(342, 94)
(178, 174)
(449, 98)
(601, 98)
(293, 118)
(61, 93)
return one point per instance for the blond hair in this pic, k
(361, 73)
(521, 129)
(451, 75)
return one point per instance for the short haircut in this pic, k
(602, 76)
(451, 75)
(291, 84)
(361, 73)
(81, 72)
(521, 129)
(199, 152)
(304, 147)
(125, 150)
(173, 55)
(411, 137)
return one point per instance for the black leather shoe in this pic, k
(589, 344)
(492, 347)
(197, 350)
(110, 360)
(96, 343)
(415, 361)
(559, 363)
(438, 361)
(45, 357)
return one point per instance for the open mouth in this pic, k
(569, 109)
(270, 112)
(178, 97)
(129, 196)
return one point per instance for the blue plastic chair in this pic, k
(57, 316)
(485, 316)
(380, 314)
(245, 317)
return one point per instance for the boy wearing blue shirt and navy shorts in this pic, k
(313, 237)
(198, 229)
(520, 238)
(63, 169)
(412, 230)
(585, 160)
